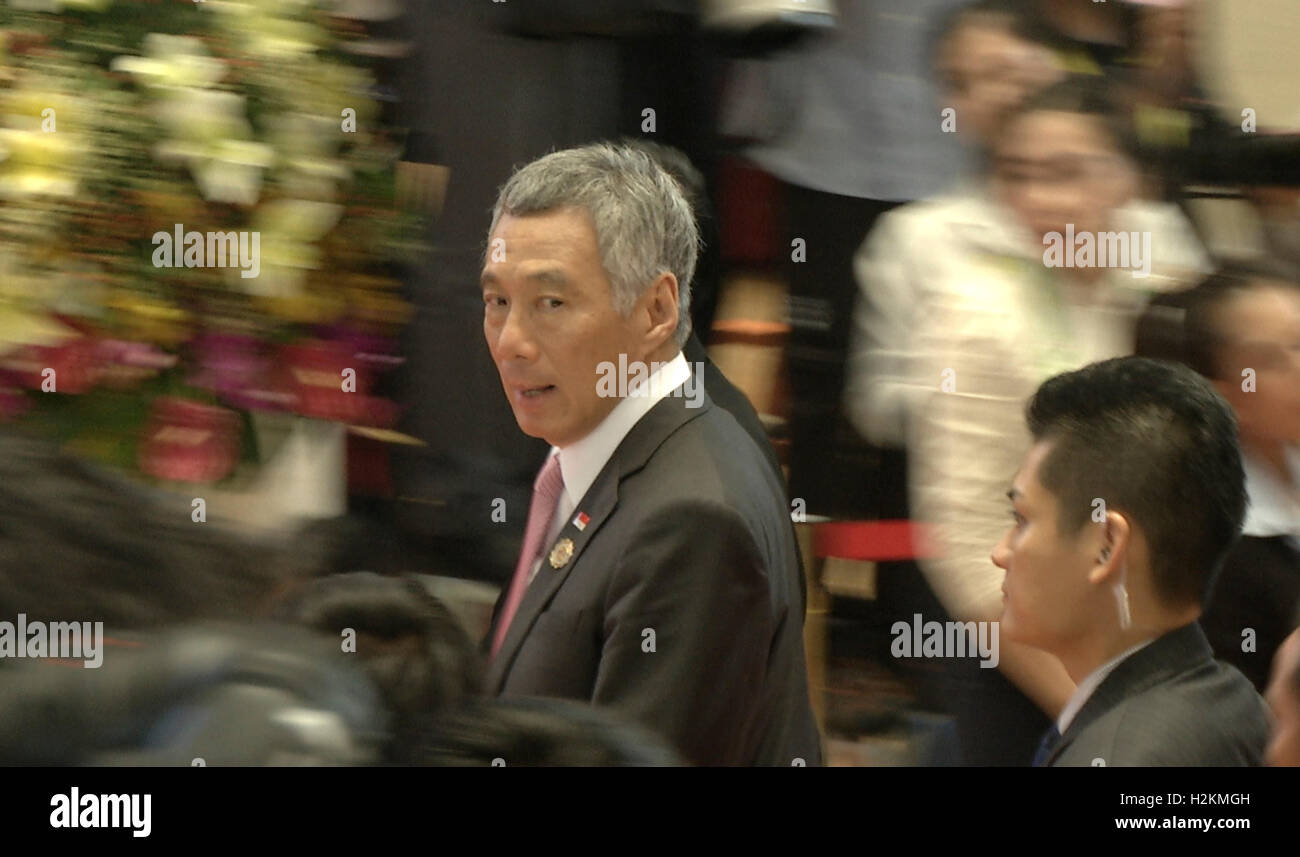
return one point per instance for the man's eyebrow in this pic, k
(548, 277)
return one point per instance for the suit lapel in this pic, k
(598, 503)
(1167, 656)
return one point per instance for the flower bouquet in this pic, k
(197, 224)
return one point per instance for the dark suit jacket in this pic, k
(733, 400)
(1169, 704)
(1258, 588)
(682, 605)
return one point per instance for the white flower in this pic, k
(211, 133)
(172, 61)
(289, 231)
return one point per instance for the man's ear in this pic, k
(661, 308)
(1112, 543)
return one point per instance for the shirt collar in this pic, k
(582, 461)
(1089, 685)
(1272, 510)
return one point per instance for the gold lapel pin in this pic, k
(562, 553)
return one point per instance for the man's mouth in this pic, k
(534, 392)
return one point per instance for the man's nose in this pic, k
(515, 338)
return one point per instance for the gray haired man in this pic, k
(659, 575)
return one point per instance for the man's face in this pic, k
(1283, 698)
(550, 321)
(1046, 589)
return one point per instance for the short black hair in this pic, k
(1156, 442)
(1084, 95)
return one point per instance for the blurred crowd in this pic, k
(898, 167)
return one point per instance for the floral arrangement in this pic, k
(197, 221)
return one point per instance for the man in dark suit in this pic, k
(659, 575)
(1123, 511)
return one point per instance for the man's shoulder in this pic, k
(1209, 715)
(711, 453)
(709, 475)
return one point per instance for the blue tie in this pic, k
(1045, 747)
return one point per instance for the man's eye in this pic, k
(493, 300)
(1017, 517)
(552, 303)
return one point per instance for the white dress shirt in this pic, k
(1090, 684)
(582, 460)
(1273, 509)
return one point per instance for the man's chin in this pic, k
(532, 428)
(540, 429)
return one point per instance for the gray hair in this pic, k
(644, 223)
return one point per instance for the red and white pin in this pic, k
(580, 520)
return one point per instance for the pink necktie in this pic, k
(546, 496)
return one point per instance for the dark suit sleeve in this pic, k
(687, 630)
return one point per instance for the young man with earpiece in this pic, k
(1123, 509)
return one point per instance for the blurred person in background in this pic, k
(1147, 52)
(1284, 700)
(528, 731)
(989, 319)
(78, 541)
(418, 656)
(1122, 511)
(844, 123)
(196, 694)
(659, 575)
(1240, 328)
(82, 544)
(987, 59)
